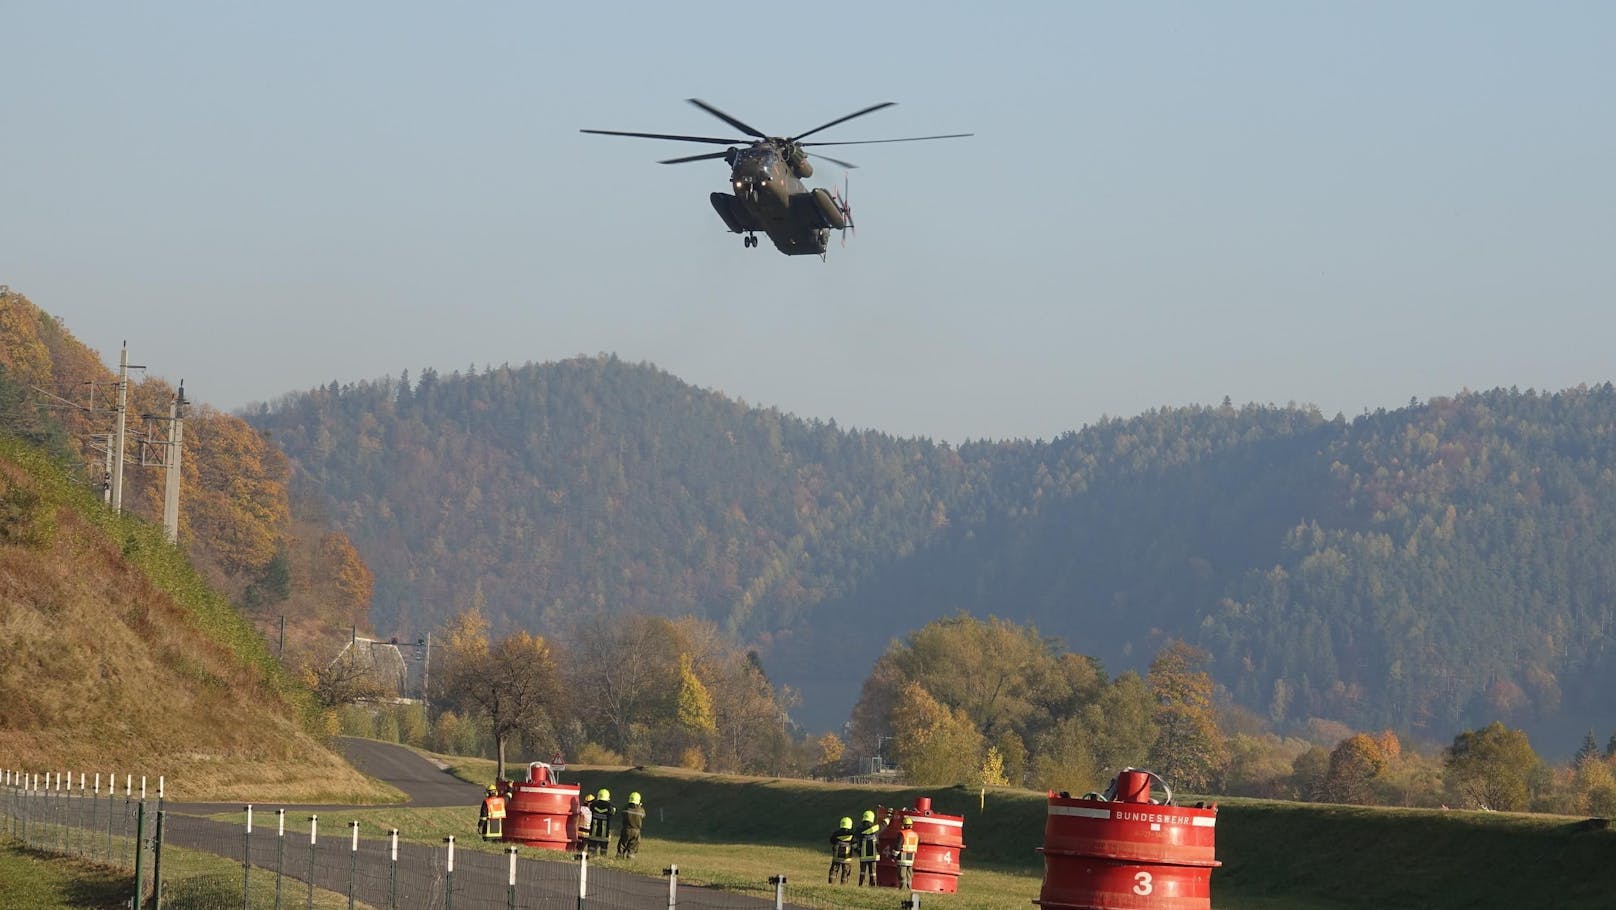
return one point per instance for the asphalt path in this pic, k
(425, 783)
(419, 877)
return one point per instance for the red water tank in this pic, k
(937, 859)
(1127, 851)
(541, 813)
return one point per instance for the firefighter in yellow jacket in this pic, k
(866, 837)
(841, 852)
(491, 820)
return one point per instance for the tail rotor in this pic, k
(846, 208)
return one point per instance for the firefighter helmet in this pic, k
(847, 822)
(492, 789)
(869, 815)
(604, 794)
(634, 798)
(908, 822)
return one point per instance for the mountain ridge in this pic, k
(1284, 542)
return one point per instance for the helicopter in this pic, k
(766, 173)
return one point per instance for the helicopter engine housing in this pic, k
(798, 160)
(828, 209)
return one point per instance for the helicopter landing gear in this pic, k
(749, 240)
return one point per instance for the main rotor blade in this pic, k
(909, 139)
(705, 157)
(749, 130)
(708, 139)
(835, 161)
(871, 109)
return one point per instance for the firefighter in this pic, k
(628, 832)
(491, 820)
(869, 851)
(601, 811)
(841, 852)
(908, 845)
(581, 823)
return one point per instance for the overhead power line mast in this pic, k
(165, 449)
(118, 434)
(171, 479)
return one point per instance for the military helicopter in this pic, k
(766, 175)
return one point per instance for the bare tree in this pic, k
(624, 676)
(513, 682)
(344, 681)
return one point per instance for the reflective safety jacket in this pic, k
(841, 843)
(907, 847)
(600, 823)
(494, 807)
(868, 836)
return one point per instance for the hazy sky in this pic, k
(1344, 204)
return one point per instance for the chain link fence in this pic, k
(185, 862)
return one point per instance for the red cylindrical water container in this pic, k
(541, 813)
(1127, 853)
(937, 859)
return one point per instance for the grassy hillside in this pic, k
(264, 544)
(115, 657)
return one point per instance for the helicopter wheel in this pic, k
(749, 240)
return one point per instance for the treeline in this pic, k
(631, 689)
(1427, 568)
(986, 703)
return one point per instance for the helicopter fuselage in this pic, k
(766, 178)
(768, 196)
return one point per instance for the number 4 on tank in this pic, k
(766, 174)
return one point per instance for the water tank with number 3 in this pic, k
(1127, 851)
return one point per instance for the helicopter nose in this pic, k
(747, 185)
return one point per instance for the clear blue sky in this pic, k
(1343, 204)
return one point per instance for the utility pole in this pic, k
(171, 461)
(118, 429)
(426, 675)
(124, 366)
(106, 473)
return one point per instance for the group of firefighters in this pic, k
(594, 822)
(595, 817)
(594, 835)
(863, 843)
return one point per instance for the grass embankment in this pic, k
(40, 881)
(116, 657)
(737, 831)
(31, 880)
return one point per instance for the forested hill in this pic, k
(1442, 564)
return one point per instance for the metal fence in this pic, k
(327, 862)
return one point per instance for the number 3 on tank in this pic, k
(1142, 885)
(766, 175)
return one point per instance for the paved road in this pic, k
(420, 877)
(425, 784)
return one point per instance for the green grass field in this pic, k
(34, 880)
(736, 832)
(1275, 855)
(30, 880)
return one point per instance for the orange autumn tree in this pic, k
(234, 501)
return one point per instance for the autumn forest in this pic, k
(1258, 598)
